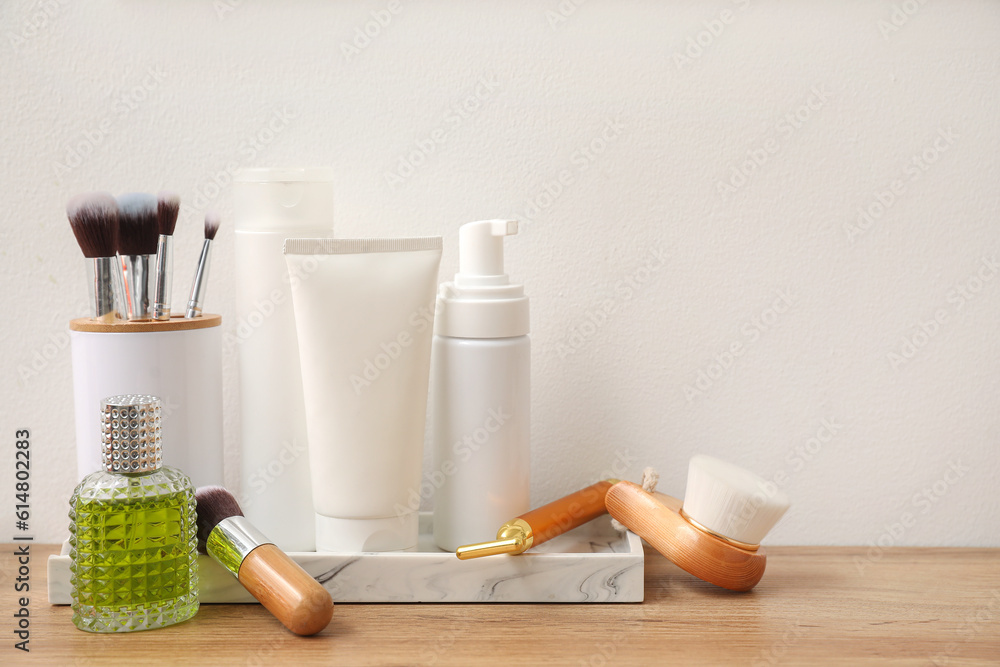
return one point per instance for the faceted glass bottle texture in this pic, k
(133, 544)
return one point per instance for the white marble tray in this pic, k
(592, 563)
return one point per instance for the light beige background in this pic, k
(619, 133)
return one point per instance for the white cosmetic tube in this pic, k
(364, 313)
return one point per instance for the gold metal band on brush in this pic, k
(514, 537)
(704, 529)
(543, 523)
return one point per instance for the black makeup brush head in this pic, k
(214, 504)
(138, 229)
(93, 217)
(168, 205)
(212, 221)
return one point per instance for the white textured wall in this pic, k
(639, 234)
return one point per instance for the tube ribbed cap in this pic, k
(130, 434)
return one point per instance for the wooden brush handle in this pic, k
(567, 513)
(286, 590)
(655, 518)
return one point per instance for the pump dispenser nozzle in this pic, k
(480, 252)
(481, 302)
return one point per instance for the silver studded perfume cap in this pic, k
(130, 433)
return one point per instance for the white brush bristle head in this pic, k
(731, 501)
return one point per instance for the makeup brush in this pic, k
(715, 533)
(93, 217)
(542, 524)
(168, 204)
(138, 236)
(212, 221)
(279, 583)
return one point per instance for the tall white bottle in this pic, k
(270, 206)
(481, 381)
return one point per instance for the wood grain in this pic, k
(567, 512)
(814, 606)
(286, 590)
(655, 518)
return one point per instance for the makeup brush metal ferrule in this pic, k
(201, 274)
(93, 217)
(167, 206)
(279, 583)
(138, 237)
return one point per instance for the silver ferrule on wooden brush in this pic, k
(232, 540)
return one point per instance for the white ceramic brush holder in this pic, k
(179, 361)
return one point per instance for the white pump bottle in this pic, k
(481, 393)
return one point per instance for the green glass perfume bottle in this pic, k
(133, 533)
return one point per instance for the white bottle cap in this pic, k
(481, 302)
(394, 533)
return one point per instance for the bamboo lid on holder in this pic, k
(175, 323)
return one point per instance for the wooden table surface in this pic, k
(814, 606)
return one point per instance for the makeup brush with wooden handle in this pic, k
(715, 533)
(279, 583)
(542, 524)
